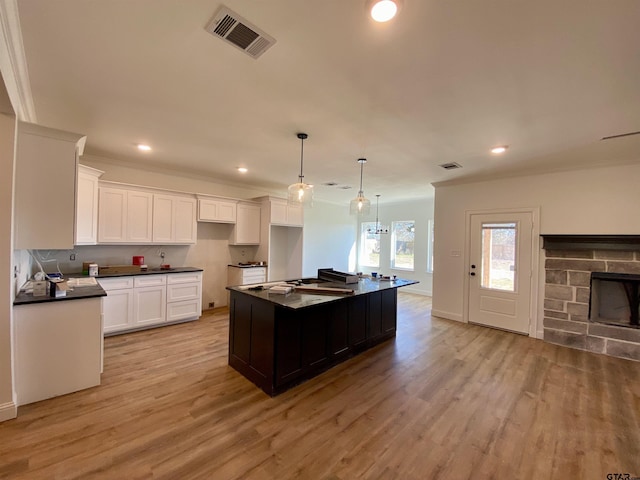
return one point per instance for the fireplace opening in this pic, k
(615, 299)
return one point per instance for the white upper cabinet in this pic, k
(174, 219)
(124, 216)
(128, 215)
(283, 213)
(45, 187)
(87, 205)
(247, 228)
(217, 210)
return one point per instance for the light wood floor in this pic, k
(444, 400)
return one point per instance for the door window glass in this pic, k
(497, 268)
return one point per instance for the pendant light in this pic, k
(301, 193)
(360, 205)
(378, 228)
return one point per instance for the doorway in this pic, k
(500, 270)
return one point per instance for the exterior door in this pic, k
(500, 270)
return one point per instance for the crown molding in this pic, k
(13, 62)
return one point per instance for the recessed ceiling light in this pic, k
(499, 149)
(243, 169)
(383, 10)
(143, 147)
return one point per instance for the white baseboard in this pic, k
(448, 315)
(417, 291)
(8, 411)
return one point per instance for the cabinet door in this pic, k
(374, 315)
(118, 310)
(278, 212)
(112, 219)
(288, 353)
(339, 329)
(139, 217)
(87, 206)
(357, 311)
(45, 188)
(247, 228)
(389, 310)
(149, 305)
(210, 210)
(174, 219)
(163, 218)
(185, 227)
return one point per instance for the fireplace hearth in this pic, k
(591, 295)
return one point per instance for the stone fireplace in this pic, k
(593, 314)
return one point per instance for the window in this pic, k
(369, 245)
(402, 241)
(430, 247)
(499, 242)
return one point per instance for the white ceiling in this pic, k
(443, 82)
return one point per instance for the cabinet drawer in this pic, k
(188, 309)
(176, 278)
(149, 280)
(254, 272)
(183, 291)
(254, 279)
(116, 283)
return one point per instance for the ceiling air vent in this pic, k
(450, 166)
(242, 34)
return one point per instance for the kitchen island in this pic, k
(279, 340)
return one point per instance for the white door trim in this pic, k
(535, 261)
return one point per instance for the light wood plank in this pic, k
(442, 400)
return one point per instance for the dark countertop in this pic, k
(93, 291)
(150, 271)
(76, 293)
(246, 266)
(295, 300)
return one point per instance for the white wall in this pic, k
(590, 201)
(7, 136)
(329, 238)
(419, 210)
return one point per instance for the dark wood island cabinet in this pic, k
(279, 340)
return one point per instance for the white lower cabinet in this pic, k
(57, 348)
(143, 301)
(246, 275)
(149, 300)
(184, 296)
(118, 304)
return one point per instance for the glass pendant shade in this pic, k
(300, 193)
(360, 205)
